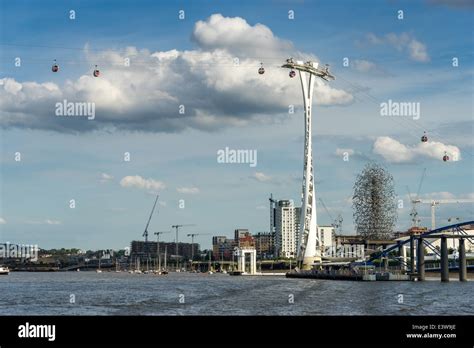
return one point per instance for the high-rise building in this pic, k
(287, 225)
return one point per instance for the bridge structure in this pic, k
(418, 243)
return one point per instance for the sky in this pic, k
(178, 82)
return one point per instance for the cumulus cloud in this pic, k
(262, 177)
(404, 42)
(137, 181)
(239, 37)
(395, 152)
(2, 221)
(169, 91)
(188, 190)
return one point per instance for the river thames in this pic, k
(110, 293)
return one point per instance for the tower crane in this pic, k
(415, 201)
(192, 235)
(145, 234)
(435, 202)
(177, 227)
(157, 234)
(337, 222)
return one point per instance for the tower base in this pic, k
(309, 261)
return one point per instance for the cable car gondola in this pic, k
(96, 72)
(424, 138)
(55, 67)
(261, 70)
(445, 157)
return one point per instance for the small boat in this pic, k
(236, 273)
(211, 272)
(98, 271)
(78, 270)
(4, 270)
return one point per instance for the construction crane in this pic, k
(414, 201)
(145, 234)
(337, 222)
(272, 221)
(157, 234)
(177, 230)
(435, 202)
(192, 235)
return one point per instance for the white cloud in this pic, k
(141, 183)
(2, 221)
(239, 37)
(104, 177)
(363, 65)
(188, 190)
(259, 176)
(418, 51)
(404, 42)
(146, 95)
(394, 151)
(45, 222)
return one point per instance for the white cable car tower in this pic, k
(309, 241)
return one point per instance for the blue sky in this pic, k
(407, 60)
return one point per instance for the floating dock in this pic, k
(379, 276)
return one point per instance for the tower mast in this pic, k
(308, 241)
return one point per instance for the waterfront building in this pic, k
(327, 235)
(287, 226)
(264, 245)
(223, 247)
(243, 238)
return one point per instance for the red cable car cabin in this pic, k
(424, 138)
(55, 67)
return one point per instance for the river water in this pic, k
(111, 293)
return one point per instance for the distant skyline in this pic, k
(165, 122)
